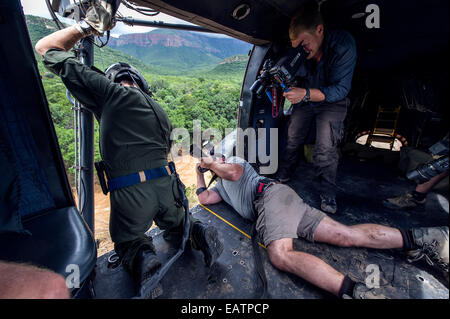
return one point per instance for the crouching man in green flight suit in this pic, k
(134, 139)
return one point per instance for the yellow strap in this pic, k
(223, 219)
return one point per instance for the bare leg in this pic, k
(312, 269)
(21, 281)
(427, 186)
(362, 235)
(316, 271)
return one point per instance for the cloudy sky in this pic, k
(39, 8)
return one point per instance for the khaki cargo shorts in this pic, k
(283, 214)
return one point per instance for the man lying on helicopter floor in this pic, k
(281, 215)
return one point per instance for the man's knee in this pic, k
(278, 252)
(294, 142)
(296, 134)
(345, 238)
(325, 155)
(332, 232)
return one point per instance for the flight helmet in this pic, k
(123, 71)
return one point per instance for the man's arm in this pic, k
(206, 197)
(89, 87)
(64, 39)
(342, 66)
(340, 78)
(228, 171)
(99, 18)
(296, 95)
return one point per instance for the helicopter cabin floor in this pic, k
(362, 186)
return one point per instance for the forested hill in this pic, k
(231, 66)
(177, 51)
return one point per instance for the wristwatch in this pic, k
(84, 28)
(307, 96)
(200, 190)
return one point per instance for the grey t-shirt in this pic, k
(240, 194)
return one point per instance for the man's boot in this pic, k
(432, 243)
(328, 204)
(145, 265)
(405, 201)
(206, 239)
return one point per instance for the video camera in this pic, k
(280, 74)
(435, 167)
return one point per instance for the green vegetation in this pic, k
(175, 52)
(160, 58)
(234, 66)
(212, 96)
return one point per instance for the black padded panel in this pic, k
(59, 238)
(25, 89)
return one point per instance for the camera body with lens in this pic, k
(440, 164)
(280, 74)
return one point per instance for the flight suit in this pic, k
(131, 139)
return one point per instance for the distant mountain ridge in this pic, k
(179, 51)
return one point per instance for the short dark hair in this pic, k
(306, 18)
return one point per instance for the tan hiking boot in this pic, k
(328, 204)
(404, 201)
(433, 246)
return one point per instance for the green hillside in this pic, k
(175, 61)
(178, 52)
(232, 66)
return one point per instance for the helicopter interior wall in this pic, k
(261, 23)
(24, 98)
(405, 27)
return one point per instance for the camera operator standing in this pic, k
(327, 75)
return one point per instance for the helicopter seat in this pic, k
(60, 240)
